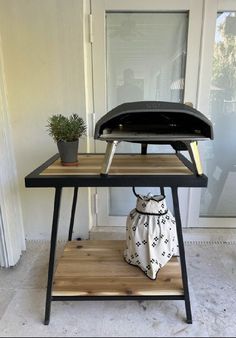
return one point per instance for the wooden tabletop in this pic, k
(126, 170)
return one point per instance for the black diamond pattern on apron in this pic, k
(150, 235)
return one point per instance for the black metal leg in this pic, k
(56, 212)
(182, 254)
(162, 190)
(144, 148)
(72, 217)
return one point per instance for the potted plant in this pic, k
(66, 132)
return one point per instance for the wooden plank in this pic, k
(98, 268)
(113, 287)
(122, 164)
(119, 172)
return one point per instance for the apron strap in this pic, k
(137, 195)
(133, 188)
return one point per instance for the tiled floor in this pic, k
(212, 281)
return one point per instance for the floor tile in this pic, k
(6, 296)
(24, 317)
(150, 319)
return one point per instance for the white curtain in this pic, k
(12, 238)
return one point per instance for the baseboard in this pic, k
(190, 235)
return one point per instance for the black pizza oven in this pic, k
(154, 122)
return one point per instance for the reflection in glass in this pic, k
(130, 90)
(219, 199)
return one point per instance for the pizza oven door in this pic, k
(142, 50)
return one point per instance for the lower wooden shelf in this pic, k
(97, 268)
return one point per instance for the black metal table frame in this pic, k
(161, 181)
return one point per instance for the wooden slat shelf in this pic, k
(97, 268)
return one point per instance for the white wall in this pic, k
(42, 43)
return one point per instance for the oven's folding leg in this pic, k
(110, 151)
(195, 156)
(182, 254)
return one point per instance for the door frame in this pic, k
(98, 10)
(211, 8)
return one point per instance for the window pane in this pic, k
(146, 57)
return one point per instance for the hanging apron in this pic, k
(151, 238)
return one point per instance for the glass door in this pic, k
(217, 201)
(142, 51)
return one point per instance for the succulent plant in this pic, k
(67, 129)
